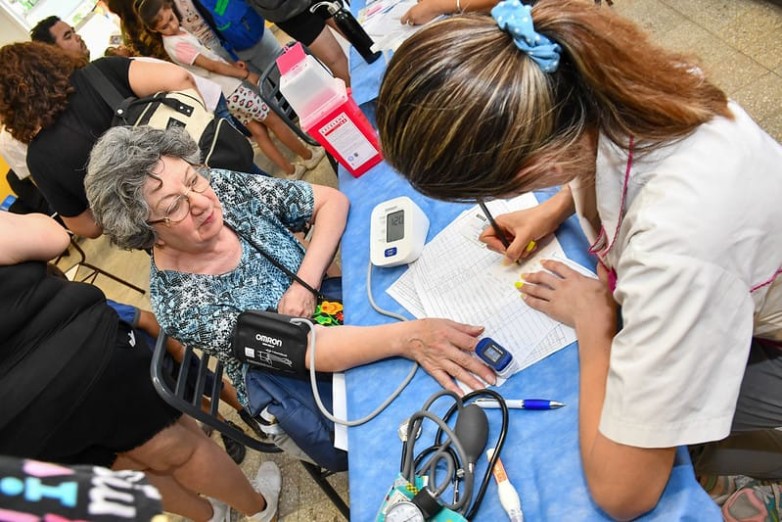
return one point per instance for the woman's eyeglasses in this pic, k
(179, 208)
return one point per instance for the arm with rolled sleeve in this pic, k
(671, 376)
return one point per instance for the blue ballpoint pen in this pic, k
(522, 404)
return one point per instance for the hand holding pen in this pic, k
(510, 234)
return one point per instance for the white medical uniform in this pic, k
(697, 250)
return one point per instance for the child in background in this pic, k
(195, 24)
(244, 103)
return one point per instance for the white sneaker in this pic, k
(298, 171)
(221, 512)
(314, 161)
(268, 482)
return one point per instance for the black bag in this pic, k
(222, 145)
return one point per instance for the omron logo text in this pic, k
(268, 340)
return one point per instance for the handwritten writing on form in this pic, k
(458, 278)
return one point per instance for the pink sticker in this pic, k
(45, 469)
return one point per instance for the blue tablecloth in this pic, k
(541, 454)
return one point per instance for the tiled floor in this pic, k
(740, 45)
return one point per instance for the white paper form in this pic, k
(457, 277)
(339, 397)
(403, 291)
(382, 21)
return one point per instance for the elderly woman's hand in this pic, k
(297, 301)
(445, 349)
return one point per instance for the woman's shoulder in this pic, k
(114, 68)
(170, 290)
(242, 184)
(110, 65)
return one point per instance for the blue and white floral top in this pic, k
(201, 310)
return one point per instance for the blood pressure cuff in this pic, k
(270, 341)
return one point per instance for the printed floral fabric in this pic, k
(328, 313)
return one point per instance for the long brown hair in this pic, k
(141, 41)
(34, 86)
(148, 11)
(463, 113)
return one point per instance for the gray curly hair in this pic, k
(120, 163)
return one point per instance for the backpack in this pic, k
(239, 25)
(222, 145)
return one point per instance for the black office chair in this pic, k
(188, 400)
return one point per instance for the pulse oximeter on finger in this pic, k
(495, 356)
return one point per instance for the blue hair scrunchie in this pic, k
(515, 18)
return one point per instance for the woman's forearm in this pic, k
(328, 224)
(443, 348)
(625, 481)
(344, 347)
(30, 237)
(594, 351)
(560, 206)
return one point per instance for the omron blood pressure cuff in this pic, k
(271, 341)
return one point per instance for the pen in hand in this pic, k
(497, 230)
(521, 404)
(500, 233)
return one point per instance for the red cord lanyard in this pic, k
(597, 248)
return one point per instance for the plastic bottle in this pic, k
(327, 112)
(352, 30)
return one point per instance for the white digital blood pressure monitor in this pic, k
(397, 232)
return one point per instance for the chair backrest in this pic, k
(185, 391)
(269, 87)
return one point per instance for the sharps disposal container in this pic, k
(327, 112)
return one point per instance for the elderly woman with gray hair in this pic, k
(147, 191)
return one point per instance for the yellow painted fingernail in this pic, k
(524, 296)
(523, 276)
(531, 246)
(518, 284)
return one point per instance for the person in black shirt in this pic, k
(47, 102)
(76, 388)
